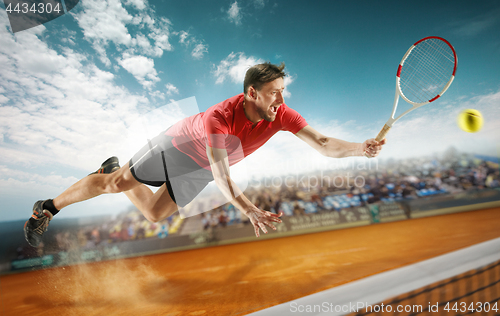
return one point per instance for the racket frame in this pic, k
(390, 122)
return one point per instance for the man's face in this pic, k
(269, 98)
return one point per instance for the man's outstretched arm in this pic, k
(219, 164)
(337, 148)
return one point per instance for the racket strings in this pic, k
(427, 70)
(426, 77)
(432, 62)
(425, 73)
(436, 65)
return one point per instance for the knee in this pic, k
(153, 218)
(116, 184)
(155, 214)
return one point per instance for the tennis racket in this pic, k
(424, 74)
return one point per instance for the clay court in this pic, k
(241, 278)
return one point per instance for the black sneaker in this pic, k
(37, 224)
(110, 165)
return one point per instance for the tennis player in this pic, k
(199, 149)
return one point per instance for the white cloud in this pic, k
(67, 36)
(157, 94)
(474, 25)
(108, 21)
(103, 22)
(288, 81)
(473, 28)
(143, 42)
(199, 50)
(234, 67)
(30, 177)
(101, 52)
(3, 99)
(160, 34)
(139, 4)
(183, 37)
(171, 89)
(234, 13)
(142, 68)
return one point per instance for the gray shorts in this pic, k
(159, 162)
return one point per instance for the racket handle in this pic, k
(383, 132)
(381, 135)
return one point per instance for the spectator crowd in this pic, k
(392, 181)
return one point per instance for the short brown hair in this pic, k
(260, 74)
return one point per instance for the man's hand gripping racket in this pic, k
(424, 74)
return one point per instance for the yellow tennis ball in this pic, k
(470, 120)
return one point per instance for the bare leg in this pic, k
(154, 207)
(95, 185)
(87, 188)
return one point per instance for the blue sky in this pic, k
(71, 90)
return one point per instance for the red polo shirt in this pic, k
(229, 128)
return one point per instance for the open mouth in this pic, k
(274, 109)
